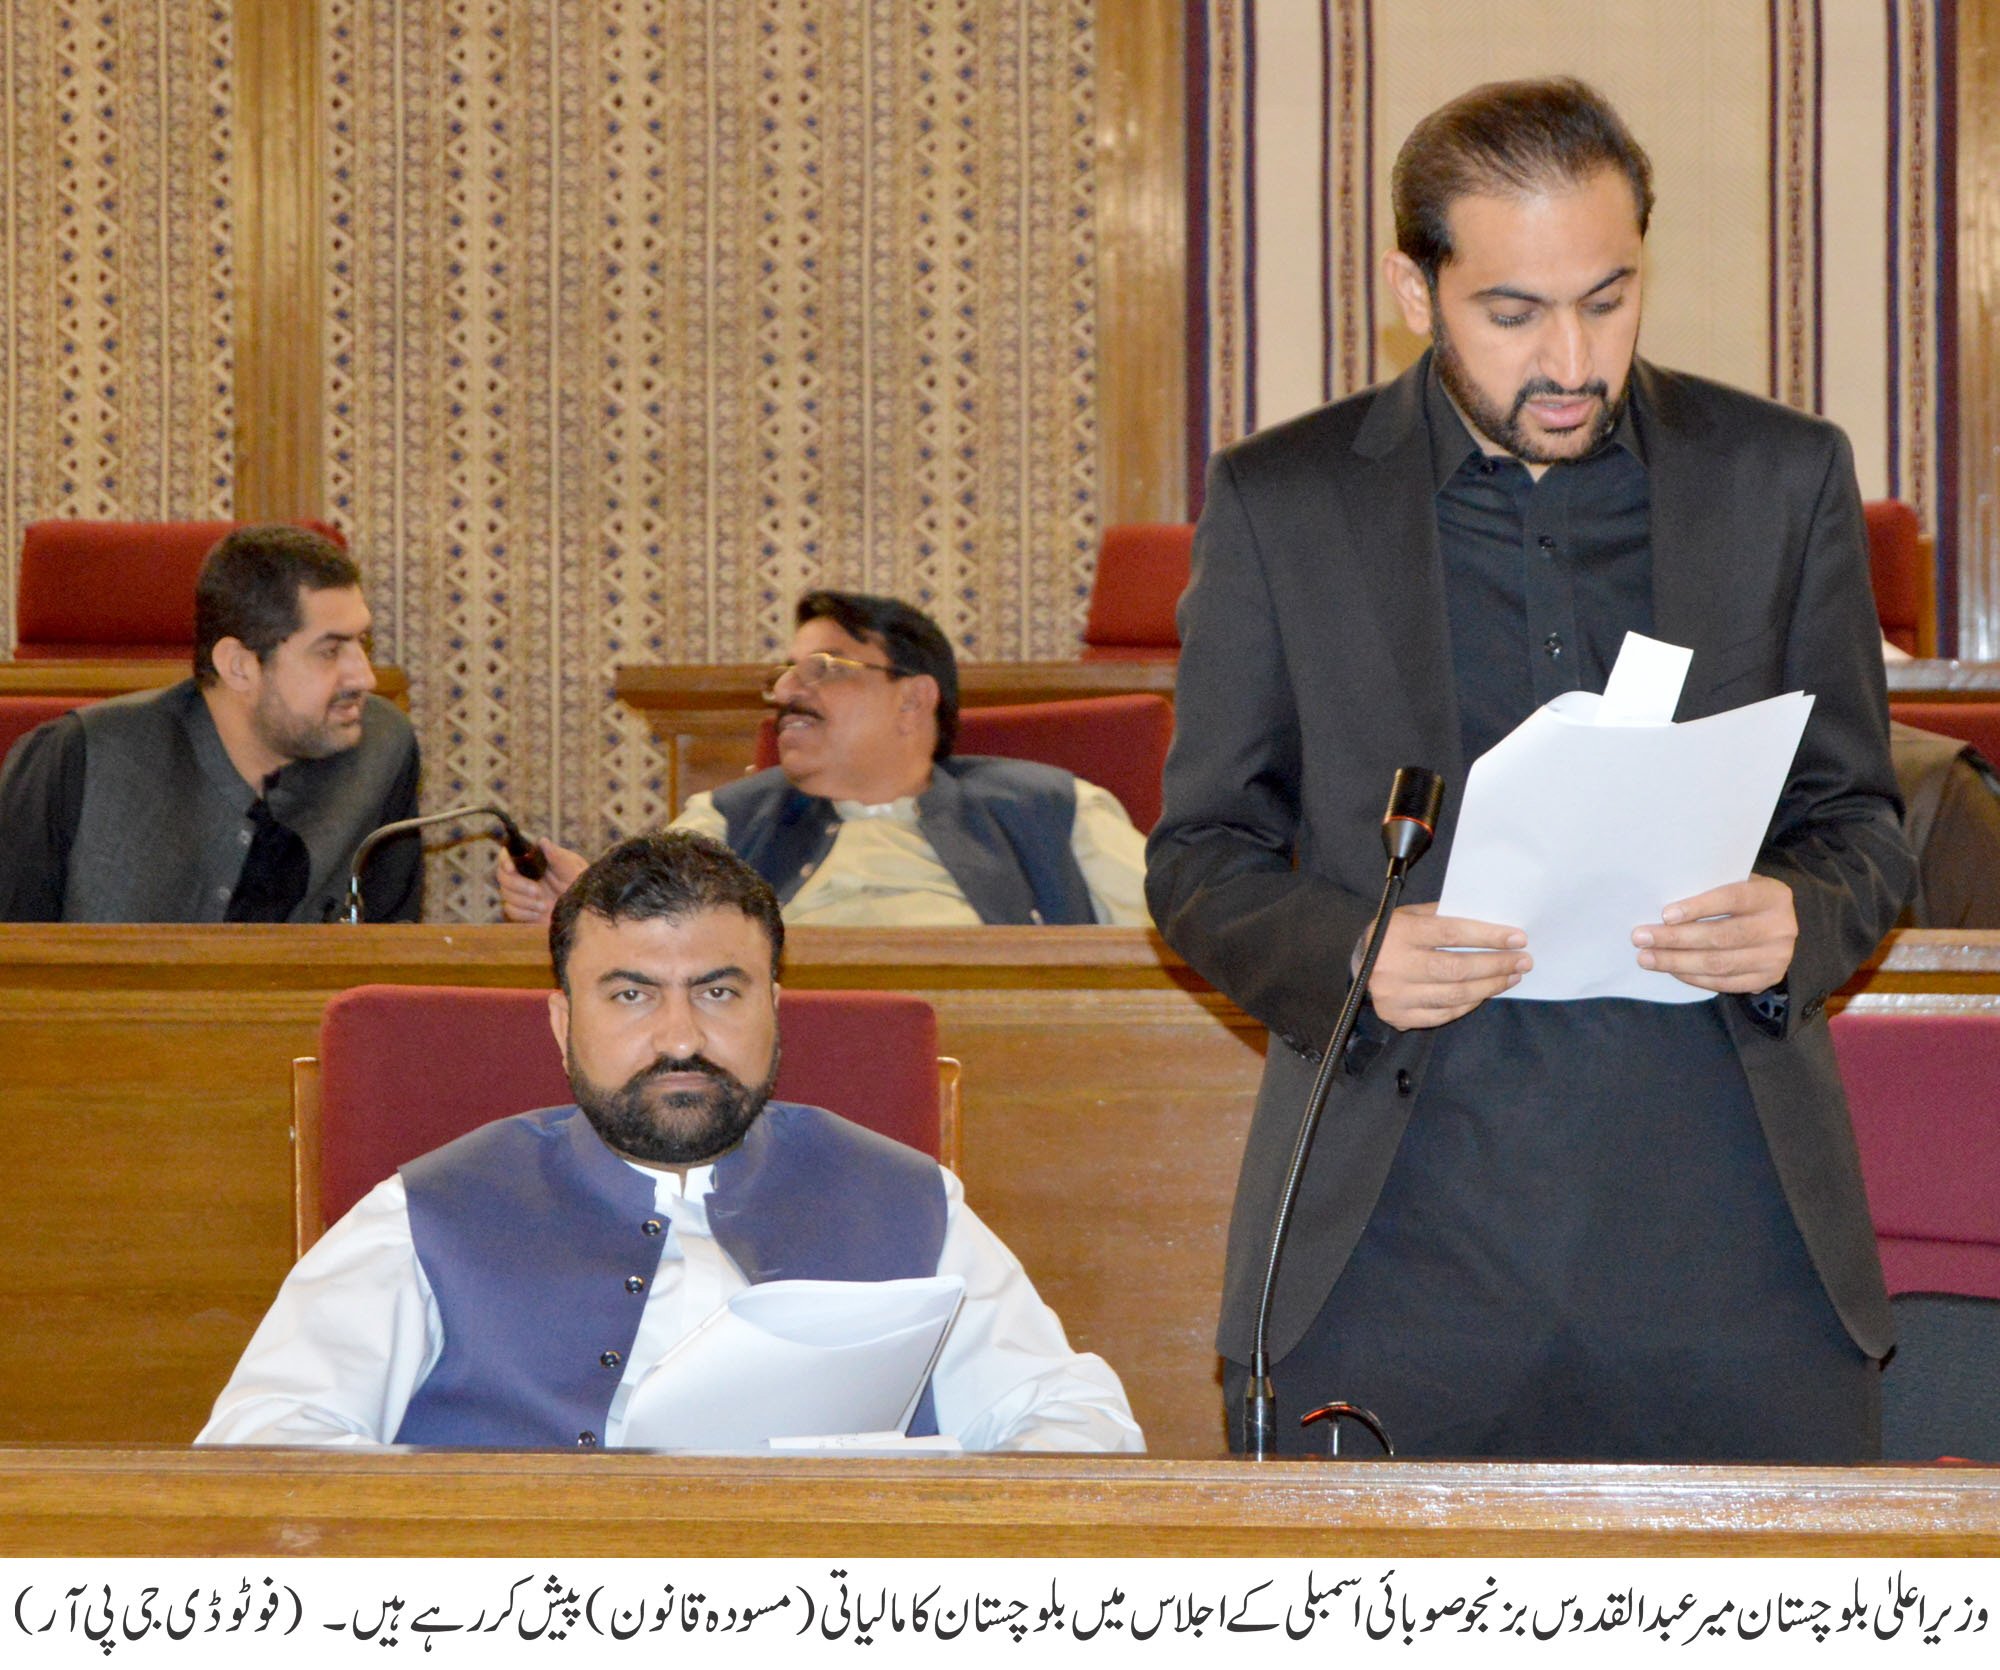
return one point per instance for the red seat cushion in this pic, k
(1117, 742)
(1142, 569)
(1893, 556)
(1975, 722)
(1925, 1092)
(113, 590)
(405, 1069)
(21, 714)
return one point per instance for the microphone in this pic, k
(1410, 820)
(526, 855)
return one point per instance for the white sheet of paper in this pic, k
(796, 1359)
(1578, 827)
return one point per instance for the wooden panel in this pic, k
(1974, 392)
(272, 1502)
(145, 1172)
(706, 717)
(1141, 180)
(1944, 681)
(280, 250)
(119, 678)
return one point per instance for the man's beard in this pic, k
(678, 1127)
(293, 738)
(1505, 429)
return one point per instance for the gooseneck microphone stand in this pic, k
(526, 855)
(1408, 823)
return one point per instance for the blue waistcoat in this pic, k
(1001, 828)
(531, 1233)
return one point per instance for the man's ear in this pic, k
(559, 1020)
(1412, 291)
(917, 698)
(236, 664)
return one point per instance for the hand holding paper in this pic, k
(1597, 812)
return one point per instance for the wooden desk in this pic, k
(706, 717)
(277, 1502)
(1943, 681)
(145, 1167)
(120, 678)
(144, 1162)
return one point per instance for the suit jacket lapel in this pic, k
(1402, 575)
(1691, 533)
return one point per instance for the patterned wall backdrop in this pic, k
(1795, 145)
(642, 318)
(115, 270)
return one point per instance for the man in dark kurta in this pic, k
(1604, 1228)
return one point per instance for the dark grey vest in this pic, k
(1001, 828)
(165, 823)
(531, 1233)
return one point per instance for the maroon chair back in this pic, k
(1142, 569)
(21, 714)
(1925, 1090)
(120, 591)
(1975, 722)
(1117, 742)
(404, 1069)
(1899, 561)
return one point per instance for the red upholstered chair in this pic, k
(1925, 1090)
(119, 591)
(404, 1069)
(21, 714)
(1905, 580)
(1117, 742)
(1142, 569)
(1975, 722)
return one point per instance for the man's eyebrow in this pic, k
(626, 977)
(729, 971)
(1513, 293)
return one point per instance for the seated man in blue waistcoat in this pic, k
(512, 1287)
(870, 820)
(237, 795)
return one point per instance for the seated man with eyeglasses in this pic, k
(869, 819)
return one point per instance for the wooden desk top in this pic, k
(120, 678)
(290, 1502)
(731, 686)
(1944, 681)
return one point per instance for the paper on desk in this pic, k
(792, 1359)
(1595, 812)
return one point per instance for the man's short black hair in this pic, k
(667, 876)
(1508, 139)
(249, 588)
(909, 637)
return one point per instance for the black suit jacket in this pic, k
(1316, 660)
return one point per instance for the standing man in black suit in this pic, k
(1607, 1228)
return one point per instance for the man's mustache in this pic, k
(784, 710)
(667, 1065)
(1547, 388)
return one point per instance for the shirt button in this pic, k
(610, 1359)
(1548, 545)
(1402, 1081)
(586, 1440)
(222, 893)
(243, 837)
(650, 1227)
(1552, 646)
(806, 869)
(635, 1284)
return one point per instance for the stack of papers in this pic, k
(798, 1360)
(1599, 811)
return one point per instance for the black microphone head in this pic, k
(1416, 799)
(527, 856)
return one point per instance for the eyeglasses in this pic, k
(822, 665)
